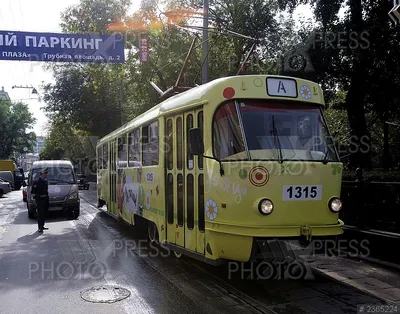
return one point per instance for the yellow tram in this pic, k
(221, 165)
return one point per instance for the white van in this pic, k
(63, 187)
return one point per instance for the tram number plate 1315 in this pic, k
(302, 192)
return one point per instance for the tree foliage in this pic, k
(354, 57)
(359, 54)
(15, 121)
(65, 142)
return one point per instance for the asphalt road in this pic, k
(46, 273)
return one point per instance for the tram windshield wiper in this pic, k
(276, 139)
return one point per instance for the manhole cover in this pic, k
(105, 294)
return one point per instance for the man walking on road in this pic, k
(41, 194)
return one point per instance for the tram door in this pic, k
(185, 186)
(112, 205)
(194, 188)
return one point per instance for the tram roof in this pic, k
(191, 98)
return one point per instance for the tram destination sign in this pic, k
(281, 87)
(53, 47)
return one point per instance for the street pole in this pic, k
(205, 43)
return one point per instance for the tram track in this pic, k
(324, 286)
(256, 306)
(239, 291)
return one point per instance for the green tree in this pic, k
(63, 142)
(86, 98)
(360, 55)
(88, 95)
(15, 121)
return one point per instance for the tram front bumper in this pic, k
(233, 242)
(277, 231)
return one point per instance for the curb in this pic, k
(374, 232)
(353, 284)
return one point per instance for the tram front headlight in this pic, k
(335, 205)
(265, 206)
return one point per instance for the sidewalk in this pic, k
(375, 232)
(376, 280)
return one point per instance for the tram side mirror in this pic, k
(196, 141)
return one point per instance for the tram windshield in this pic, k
(259, 130)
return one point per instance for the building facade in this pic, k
(39, 145)
(4, 94)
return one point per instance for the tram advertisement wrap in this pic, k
(52, 47)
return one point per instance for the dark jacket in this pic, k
(40, 189)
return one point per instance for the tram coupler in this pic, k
(306, 232)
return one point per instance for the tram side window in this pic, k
(122, 152)
(200, 124)
(200, 204)
(179, 144)
(227, 135)
(190, 201)
(180, 191)
(99, 158)
(170, 199)
(189, 125)
(150, 144)
(105, 156)
(134, 148)
(169, 143)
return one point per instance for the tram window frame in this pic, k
(150, 144)
(100, 157)
(189, 155)
(105, 156)
(134, 147)
(122, 152)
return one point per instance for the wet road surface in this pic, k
(49, 271)
(45, 273)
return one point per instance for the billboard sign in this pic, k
(52, 47)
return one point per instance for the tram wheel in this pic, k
(152, 232)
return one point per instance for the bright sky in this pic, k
(35, 16)
(31, 16)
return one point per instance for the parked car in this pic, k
(7, 176)
(83, 182)
(5, 187)
(17, 174)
